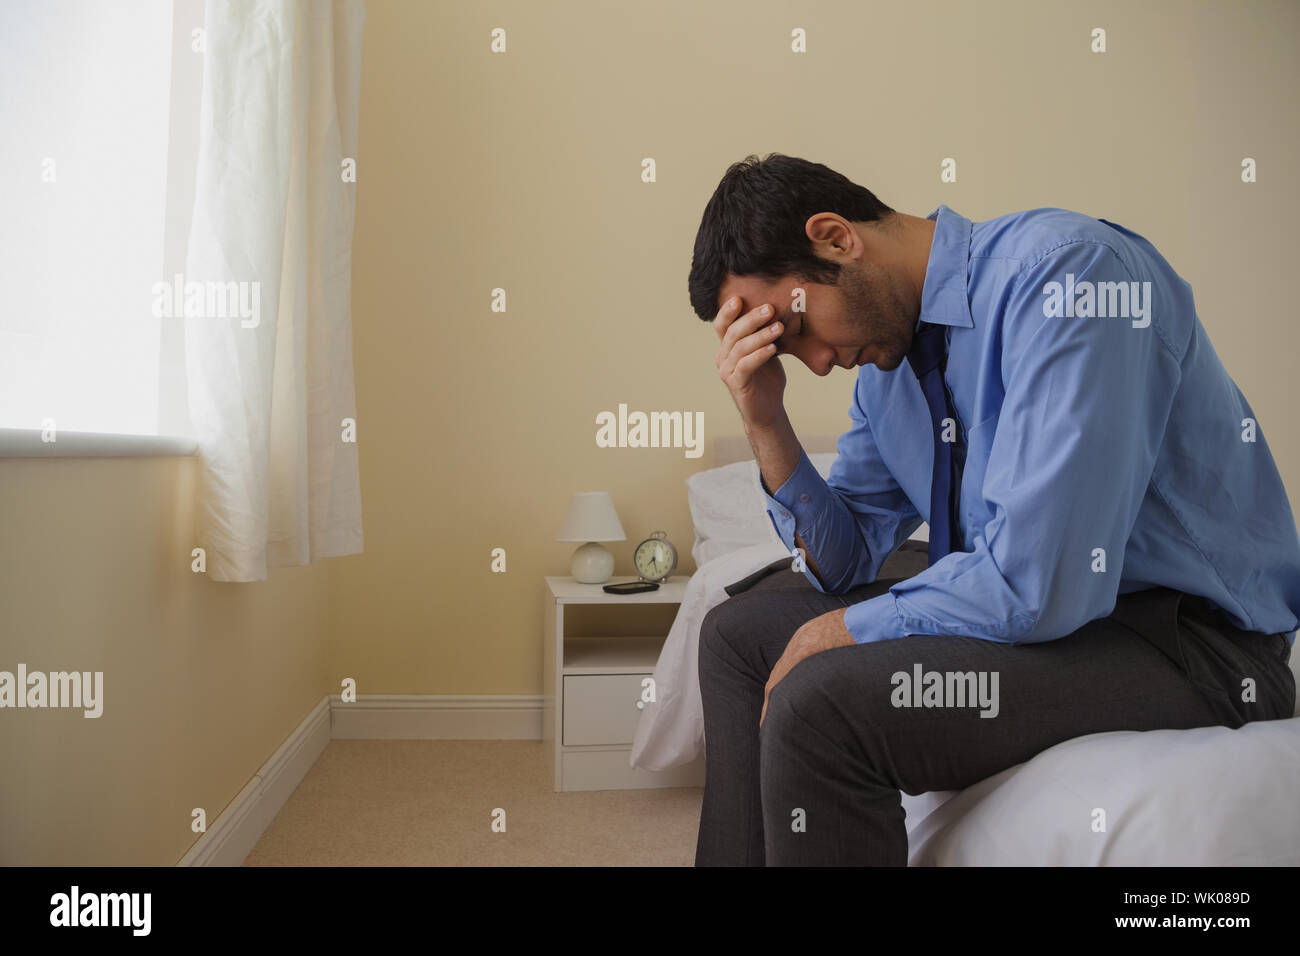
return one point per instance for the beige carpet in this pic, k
(430, 803)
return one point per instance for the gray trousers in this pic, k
(819, 783)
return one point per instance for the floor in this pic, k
(431, 803)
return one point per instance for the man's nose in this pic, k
(821, 362)
(825, 359)
(820, 359)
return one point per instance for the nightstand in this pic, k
(592, 686)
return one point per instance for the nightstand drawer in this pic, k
(601, 708)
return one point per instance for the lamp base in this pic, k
(592, 564)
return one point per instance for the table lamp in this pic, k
(591, 518)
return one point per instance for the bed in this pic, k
(1210, 796)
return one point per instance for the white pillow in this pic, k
(728, 509)
(1208, 796)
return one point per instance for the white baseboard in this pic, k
(437, 717)
(231, 837)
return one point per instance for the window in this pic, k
(92, 218)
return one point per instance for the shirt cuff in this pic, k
(798, 502)
(875, 619)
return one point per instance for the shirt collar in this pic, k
(944, 294)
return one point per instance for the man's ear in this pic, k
(833, 237)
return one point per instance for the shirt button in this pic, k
(804, 496)
(785, 514)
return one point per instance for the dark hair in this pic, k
(754, 224)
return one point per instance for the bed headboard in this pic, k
(732, 448)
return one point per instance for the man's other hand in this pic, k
(820, 634)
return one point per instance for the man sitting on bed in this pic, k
(1111, 546)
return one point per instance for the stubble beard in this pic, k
(878, 313)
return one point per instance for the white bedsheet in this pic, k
(1209, 796)
(671, 730)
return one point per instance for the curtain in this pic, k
(268, 328)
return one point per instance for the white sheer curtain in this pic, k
(271, 387)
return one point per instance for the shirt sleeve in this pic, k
(852, 520)
(1081, 424)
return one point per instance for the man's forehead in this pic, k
(753, 289)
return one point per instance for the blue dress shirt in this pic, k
(1107, 449)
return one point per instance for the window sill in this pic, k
(26, 443)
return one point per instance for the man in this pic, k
(1111, 546)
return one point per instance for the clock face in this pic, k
(653, 559)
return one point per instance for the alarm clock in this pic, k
(655, 558)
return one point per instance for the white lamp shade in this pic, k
(591, 517)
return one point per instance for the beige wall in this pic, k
(202, 681)
(522, 171)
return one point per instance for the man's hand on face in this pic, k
(747, 360)
(820, 634)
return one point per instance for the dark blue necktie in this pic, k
(928, 357)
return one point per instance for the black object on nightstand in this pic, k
(631, 587)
